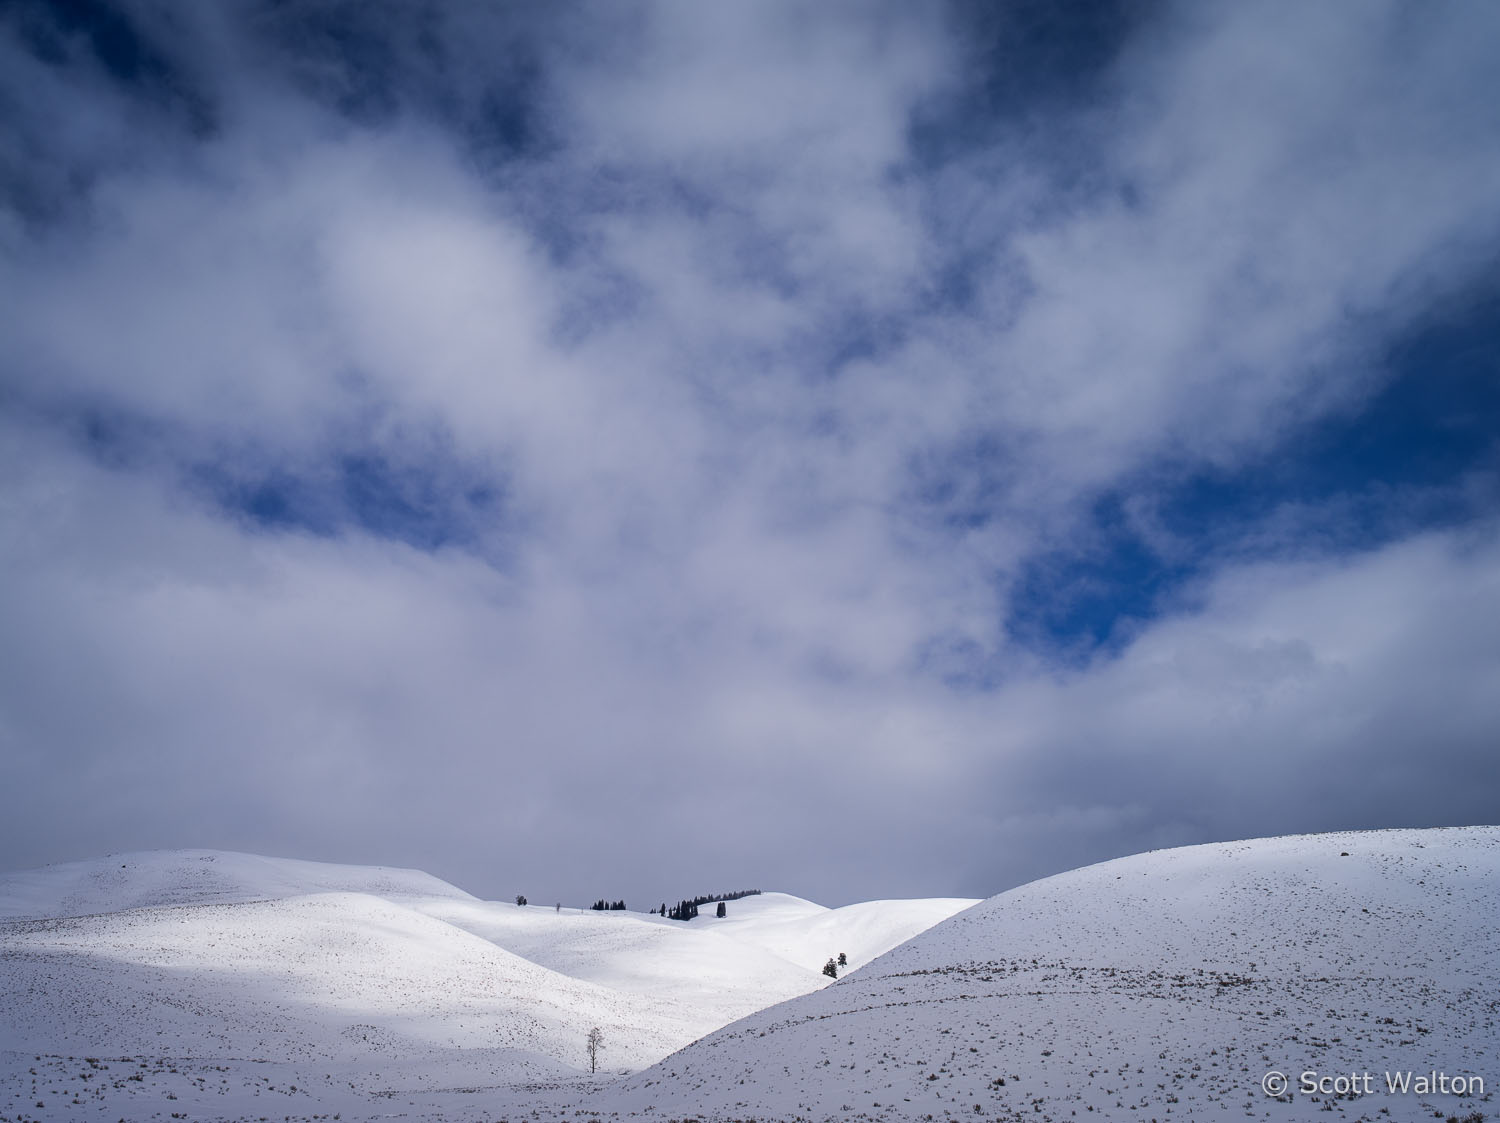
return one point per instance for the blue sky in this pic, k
(1418, 454)
(904, 449)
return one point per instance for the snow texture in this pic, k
(226, 986)
(1159, 987)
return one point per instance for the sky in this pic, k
(637, 450)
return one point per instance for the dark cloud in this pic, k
(622, 449)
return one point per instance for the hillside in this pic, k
(807, 934)
(1164, 985)
(214, 982)
(166, 878)
(770, 947)
(1160, 986)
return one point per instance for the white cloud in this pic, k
(720, 577)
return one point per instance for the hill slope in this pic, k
(809, 934)
(211, 983)
(1162, 985)
(164, 878)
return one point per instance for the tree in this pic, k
(520, 900)
(843, 960)
(595, 1043)
(831, 969)
(721, 909)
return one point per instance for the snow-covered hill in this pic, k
(163, 878)
(768, 948)
(225, 985)
(1165, 985)
(808, 934)
(1162, 986)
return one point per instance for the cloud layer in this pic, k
(638, 450)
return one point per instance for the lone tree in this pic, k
(843, 960)
(520, 900)
(721, 909)
(595, 1043)
(831, 969)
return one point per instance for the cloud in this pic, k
(1295, 697)
(510, 445)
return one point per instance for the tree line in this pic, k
(687, 908)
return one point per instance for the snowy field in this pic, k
(212, 985)
(1161, 986)
(1165, 986)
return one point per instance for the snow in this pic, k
(230, 986)
(809, 934)
(1157, 987)
(716, 979)
(164, 878)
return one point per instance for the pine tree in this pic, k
(720, 911)
(831, 969)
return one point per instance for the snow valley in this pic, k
(228, 985)
(1177, 984)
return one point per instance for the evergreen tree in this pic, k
(720, 911)
(831, 969)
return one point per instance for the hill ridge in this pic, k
(1176, 978)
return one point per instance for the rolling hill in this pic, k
(1161, 986)
(227, 985)
(1156, 987)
